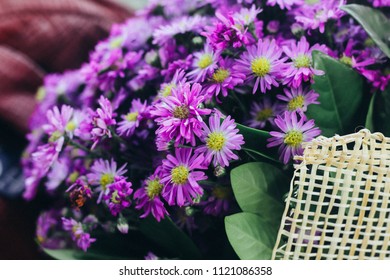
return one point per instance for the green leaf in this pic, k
(370, 115)
(376, 24)
(259, 188)
(381, 112)
(61, 254)
(251, 236)
(256, 143)
(173, 240)
(341, 93)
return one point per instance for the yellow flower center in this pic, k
(261, 66)
(181, 112)
(220, 75)
(293, 138)
(302, 61)
(116, 43)
(215, 141)
(296, 103)
(132, 117)
(114, 197)
(41, 93)
(55, 136)
(106, 179)
(264, 114)
(167, 90)
(70, 126)
(153, 188)
(205, 61)
(73, 176)
(221, 192)
(179, 175)
(346, 60)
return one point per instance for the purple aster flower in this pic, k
(225, 77)
(381, 3)
(83, 239)
(102, 119)
(220, 139)
(103, 174)
(179, 26)
(166, 88)
(204, 64)
(356, 59)
(283, 4)
(59, 122)
(138, 112)
(227, 31)
(292, 134)
(177, 65)
(180, 177)
(264, 111)
(263, 64)
(218, 203)
(299, 98)
(47, 224)
(179, 115)
(315, 15)
(39, 165)
(300, 68)
(149, 197)
(58, 173)
(118, 196)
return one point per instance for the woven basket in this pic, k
(338, 206)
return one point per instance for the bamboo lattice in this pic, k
(338, 206)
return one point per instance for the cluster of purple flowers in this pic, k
(148, 124)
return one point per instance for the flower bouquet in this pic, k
(177, 138)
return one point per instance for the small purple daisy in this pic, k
(180, 177)
(262, 63)
(204, 64)
(103, 173)
(220, 139)
(138, 112)
(300, 68)
(293, 133)
(264, 111)
(223, 79)
(148, 197)
(179, 115)
(299, 98)
(118, 195)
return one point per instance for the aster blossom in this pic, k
(300, 68)
(132, 120)
(78, 233)
(103, 174)
(294, 130)
(148, 197)
(298, 98)
(204, 64)
(263, 112)
(102, 119)
(181, 176)
(220, 139)
(262, 63)
(118, 194)
(224, 78)
(179, 115)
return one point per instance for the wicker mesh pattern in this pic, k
(338, 206)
